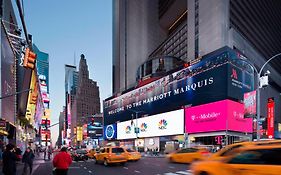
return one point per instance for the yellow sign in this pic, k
(79, 134)
(47, 114)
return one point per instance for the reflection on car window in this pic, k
(248, 157)
(130, 150)
(229, 151)
(117, 150)
(188, 150)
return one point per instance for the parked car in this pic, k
(79, 154)
(110, 155)
(132, 155)
(262, 160)
(188, 155)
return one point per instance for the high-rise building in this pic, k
(87, 97)
(70, 92)
(189, 29)
(61, 126)
(154, 40)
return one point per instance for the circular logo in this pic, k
(109, 131)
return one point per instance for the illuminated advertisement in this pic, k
(95, 127)
(45, 135)
(197, 84)
(270, 118)
(79, 133)
(250, 104)
(110, 132)
(218, 116)
(169, 123)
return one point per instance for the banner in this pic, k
(250, 105)
(270, 118)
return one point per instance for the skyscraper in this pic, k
(190, 29)
(88, 98)
(70, 92)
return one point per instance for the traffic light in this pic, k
(29, 59)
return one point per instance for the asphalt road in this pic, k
(145, 166)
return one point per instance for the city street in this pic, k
(145, 166)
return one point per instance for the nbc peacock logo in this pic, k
(162, 124)
(143, 127)
(128, 129)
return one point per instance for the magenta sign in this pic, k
(218, 116)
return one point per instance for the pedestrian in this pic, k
(45, 153)
(9, 160)
(27, 159)
(50, 151)
(62, 161)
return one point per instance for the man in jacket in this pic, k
(62, 161)
(9, 160)
(27, 159)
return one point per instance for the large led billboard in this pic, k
(216, 77)
(169, 123)
(110, 132)
(225, 115)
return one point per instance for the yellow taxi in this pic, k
(253, 160)
(132, 155)
(91, 153)
(188, 155)
(230, 149)
(110, 155)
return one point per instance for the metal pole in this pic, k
(258, 109)
(9, 95)
(137, 130)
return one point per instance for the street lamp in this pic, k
(259, 73)
(136, 128)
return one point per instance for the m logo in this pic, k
(234, 74)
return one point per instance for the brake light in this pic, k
(205, 153)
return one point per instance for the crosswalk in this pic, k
(186, 172)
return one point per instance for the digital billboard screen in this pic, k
(218, 116)
(214, 78)
(110, 132)
(168, 123)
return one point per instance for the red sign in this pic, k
(270, 118)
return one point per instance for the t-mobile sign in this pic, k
(218, 116)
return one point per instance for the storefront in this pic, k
(153, 132)
(217, 123)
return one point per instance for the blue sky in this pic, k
(62, 28)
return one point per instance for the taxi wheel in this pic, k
(171, 159)
(95, 160)
(123, 163)
(105, 163)
(203, 173)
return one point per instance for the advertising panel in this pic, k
(7, 79)
(79, 133)
(110, 132)
(250, 104)
(169, 123)
(218, 116)
(270, 118)
(95, 127)
(198, 84)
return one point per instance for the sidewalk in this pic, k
(37, 161)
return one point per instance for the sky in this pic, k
(65, 28)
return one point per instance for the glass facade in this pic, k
(158, 66)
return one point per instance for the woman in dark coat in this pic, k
(27, 159)
(9, 160)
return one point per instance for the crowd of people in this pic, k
(10, 155)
